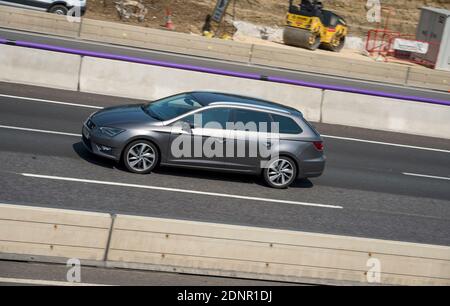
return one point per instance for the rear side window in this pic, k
(247, 120)
(216, 118)
(286, 125)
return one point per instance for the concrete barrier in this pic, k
(40, 22)
(386, 114)
(431, 79)
(331, 65)
(238, 251)
(33, 233)
(53, 232)
(151, 82)
(38, 67)
(112, 32)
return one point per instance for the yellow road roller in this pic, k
(309, 26)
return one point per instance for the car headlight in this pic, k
(111, 132)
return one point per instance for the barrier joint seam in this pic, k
(108, 242)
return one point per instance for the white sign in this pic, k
(411, 46)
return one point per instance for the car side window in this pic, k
(247, 120)
(216, 118)
(286, 125)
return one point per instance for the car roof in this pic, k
(209, 97)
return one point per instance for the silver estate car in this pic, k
(209, 130)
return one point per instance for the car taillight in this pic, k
(318, 145)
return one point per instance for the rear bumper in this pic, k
(312, 167)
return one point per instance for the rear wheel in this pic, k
(280, 173)
(59, 9)
(140, 156)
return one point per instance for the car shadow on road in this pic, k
(91, 158)
(250, 179)
(205, 174)
(184, 172)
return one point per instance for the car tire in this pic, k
(280, 173)
(59, 9)
(140, 156)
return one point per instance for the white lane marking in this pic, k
(386, 143)
(39, 131)
(325, 136)
(43, 282)
(427, 176)
(50, 101)
(223, 195)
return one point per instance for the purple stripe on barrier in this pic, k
(137, 60)
(224, 72)
(359, 91)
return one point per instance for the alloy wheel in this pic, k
(281, 172)
(141, 157)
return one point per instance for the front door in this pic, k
(200, 140)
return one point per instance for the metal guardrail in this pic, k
(222, 72)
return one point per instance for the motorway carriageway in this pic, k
(376, 184)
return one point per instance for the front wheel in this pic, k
(140, 157)
(280, 173)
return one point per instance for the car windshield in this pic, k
(171, 107)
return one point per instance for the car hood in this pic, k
(122, 116)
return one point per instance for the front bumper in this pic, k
(99, 144)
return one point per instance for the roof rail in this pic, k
(275, 109)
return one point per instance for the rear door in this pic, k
(249, 135)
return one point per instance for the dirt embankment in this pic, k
(189, 15)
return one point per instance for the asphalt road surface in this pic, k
(376, 184)
(219, 64)
(42, 274)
